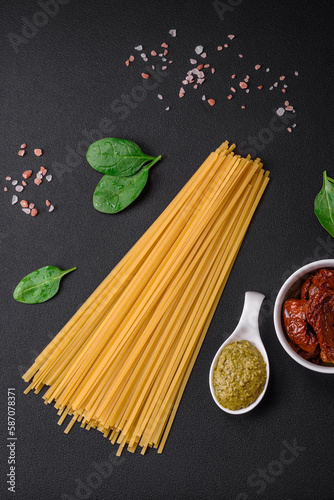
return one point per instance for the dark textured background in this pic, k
(65, 80)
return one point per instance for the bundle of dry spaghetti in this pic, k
(122, 362)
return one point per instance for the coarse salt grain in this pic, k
(213, 70)
(51, 208)
(257, 66)
(296, 73)
(21, 152)
(212, 102)
(153, 53)
(160, 96)
(19, 188)
(23, 146)
(203, 97)
(127, 62)
(289, 108)
(37, 181)
(172, 32)
(200, 66)
(26, 210)
(24, 183)
(243, 85)
(139, 47)
(47, 203)
(233, 89)
(233, 76)
(195, 86)
(229, 96)
(145, 76)
(199, 49)
(241, 56)
(219, 47)
(206, 65)
(193, 61)
(34, 212)
(289, 129)
(203, 55)
(243, 107)
(260, 87)
(267, 70)
(231, 37)
(24, 203)
(282, 78)
(185, 82)
(5, 188)
(131, 58)
(31, 205)
(164, 67)
(39, 175)
(165, 45)
(38, 152)
(167, 109)
(275, 84)
(14, 199)
(226, 45)
(27, 174)
(49, 178)
(247, 91)
(8, 178)
(280, 111)
(14, 183)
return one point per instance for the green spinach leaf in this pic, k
(113, 194)
(40, 285)
(324, 205)
(112, 156)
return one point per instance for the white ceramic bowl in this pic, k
(292, 285)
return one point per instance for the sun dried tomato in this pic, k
(295, 322)
(320, 315)
(324, 279)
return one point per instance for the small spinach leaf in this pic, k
(113, 194)
(40, 285)
(324, 205)
(112, 156)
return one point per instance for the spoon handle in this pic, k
(250, 314)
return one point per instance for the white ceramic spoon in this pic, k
(247, 329)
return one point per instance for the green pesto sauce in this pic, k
(239, 376)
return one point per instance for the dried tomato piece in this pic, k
(314, 357)
(295, 322)
(304, 291)
(324, 279)
(320, 315)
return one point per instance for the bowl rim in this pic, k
(302, 271)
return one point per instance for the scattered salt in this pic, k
(19, 189)
(160, 96)
(172, 32)
(49, 178)
(199, 49)
(14, 199)
(51, 208)
(280, 111)
(139, 47)
(193, 61)
(14, 183)
(26, 210)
